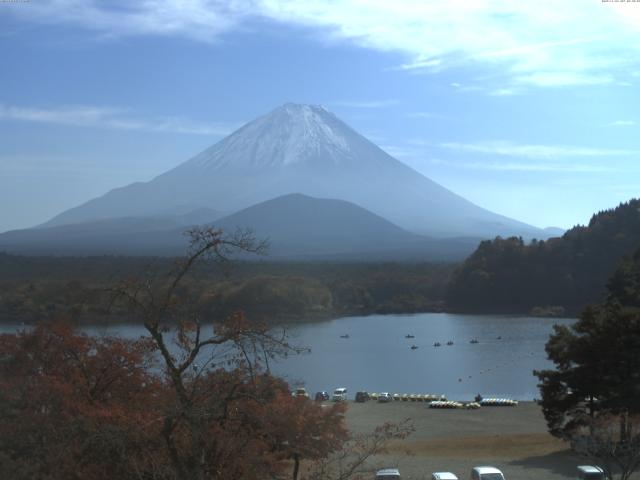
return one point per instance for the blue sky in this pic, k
(527, 108)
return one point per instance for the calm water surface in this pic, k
(377, 356)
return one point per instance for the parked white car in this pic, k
(388, 474)
(588, 472)
(339, 395)
(486, 473)
(443, 476)
(300, 392)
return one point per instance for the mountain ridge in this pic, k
(509, 275)
(306, 149)
(297, 226)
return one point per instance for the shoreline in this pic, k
(289, 321)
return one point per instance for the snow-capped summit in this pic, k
(291, 134)
(302, 149)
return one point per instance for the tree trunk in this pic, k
(296, 465)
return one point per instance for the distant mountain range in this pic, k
(301, 226)
(296, 226)
(385, 207)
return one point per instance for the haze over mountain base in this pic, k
(295, 149)
(295, 226)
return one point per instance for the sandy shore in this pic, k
(513, 439)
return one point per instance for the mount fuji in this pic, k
(308, 150)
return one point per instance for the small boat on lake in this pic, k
(413, 347)
(346, 335)
(450, 342)
(474, 340)
(437, 344)
(408, 335)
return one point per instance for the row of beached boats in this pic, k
(453, 405)
(487, 402)
(411, 397)
(498, 402)
(440, 401)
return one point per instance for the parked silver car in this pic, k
(388, 474)
(385, 397)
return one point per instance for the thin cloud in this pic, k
(28, 167)
(505, 92)
(540, 167)
(111, 117)
(623, 123)
(550, 43)
(564, 79)
(431, 65)
(398, 152)
(534, 151)
(365, 104)
(537, 48)
(466, 88)
(427, 115)
(200, 20)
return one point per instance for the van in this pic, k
(362, 397)
(486, 473)
(301, 392)
(339, 395)
(388, 474)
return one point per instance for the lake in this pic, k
(377, 357)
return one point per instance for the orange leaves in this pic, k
(303, 429)
(60, 392)
(74, 406)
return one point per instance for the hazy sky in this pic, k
(528, 108)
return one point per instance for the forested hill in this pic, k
(507, 275)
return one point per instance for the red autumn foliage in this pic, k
(193, 401)
(74, 406)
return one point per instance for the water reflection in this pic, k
(492, 355)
